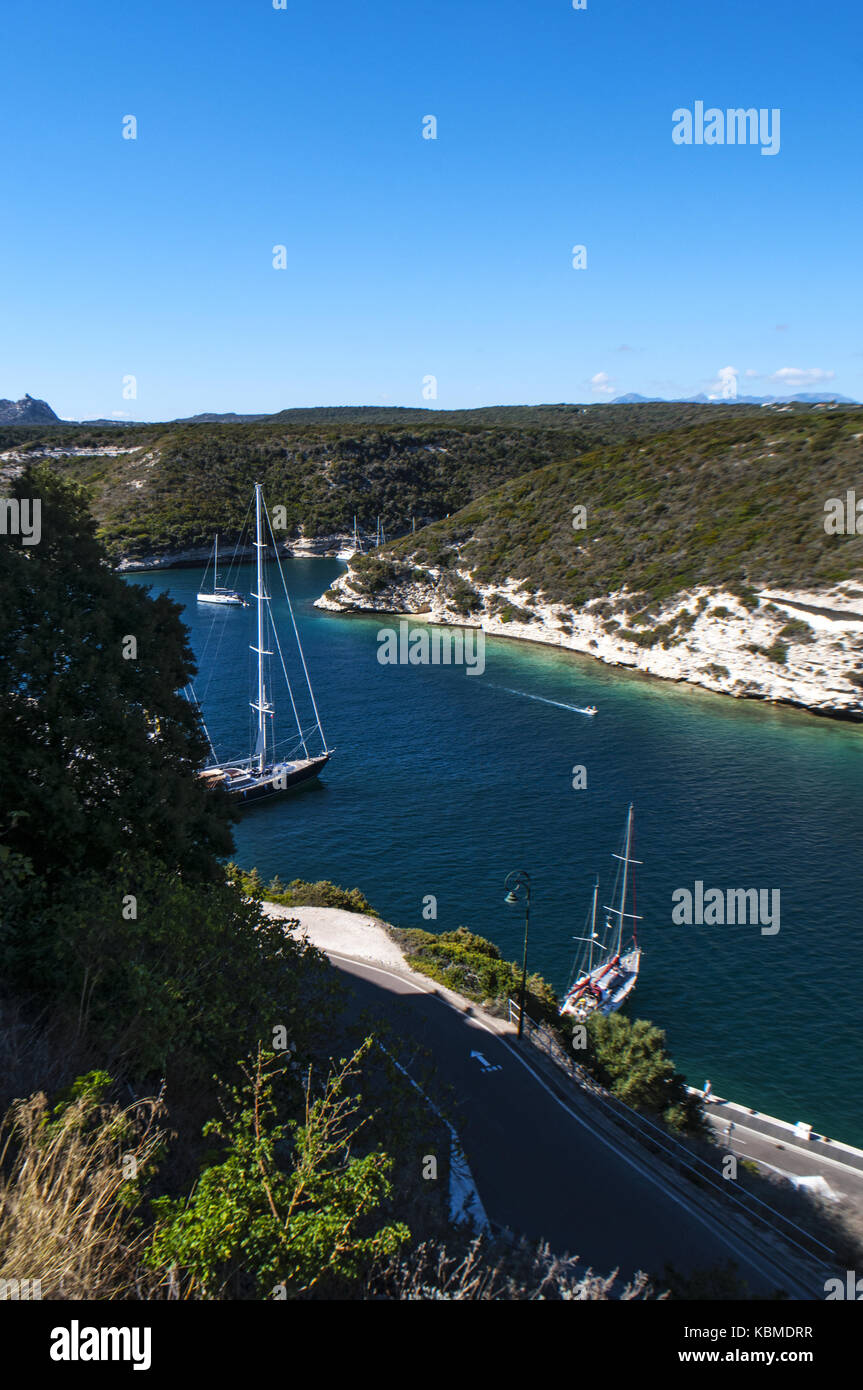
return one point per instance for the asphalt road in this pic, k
(541, 1168)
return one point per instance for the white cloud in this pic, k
(801, 376)
(602, 384)
(724, 388)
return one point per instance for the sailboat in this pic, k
(605, 972)
(219, 594)
(264, 773)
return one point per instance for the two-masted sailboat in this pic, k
(605, 971)
(274, 764)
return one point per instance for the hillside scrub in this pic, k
(709, 505)
(299, 893)
(472, 966)
(326, 466)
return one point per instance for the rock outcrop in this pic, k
(789, 647)
(27, 411)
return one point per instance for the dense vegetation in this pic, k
(131, 960)
(188, 480)
(474, 967)
(735, 501)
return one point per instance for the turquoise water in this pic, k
(442, 783)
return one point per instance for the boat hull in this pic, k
(224, 600)
(614, 984)
(246, 788)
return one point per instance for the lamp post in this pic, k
(520, 879)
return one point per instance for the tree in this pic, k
(99, 750)
(628, 1056)
(258, 1224)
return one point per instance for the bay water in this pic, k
(444, 782)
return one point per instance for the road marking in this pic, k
(486, 1065)
(734, 1245)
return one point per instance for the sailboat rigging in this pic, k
(263, 773)
(604, 972)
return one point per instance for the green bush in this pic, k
(299, 893)
(264, 1220)
(628, 1057)
(470, 965)
(796, 630)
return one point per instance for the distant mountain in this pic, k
(803, 397)
(27, 412)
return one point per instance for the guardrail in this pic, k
(659, 1140)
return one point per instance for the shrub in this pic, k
(796, 630)
(472, 966)
(299, 893)
(628, 1057)
(259, 1219)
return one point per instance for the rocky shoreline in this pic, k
(336, 547)
(785, 647)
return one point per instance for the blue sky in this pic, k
(409, 258)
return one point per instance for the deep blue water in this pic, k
(442, 783)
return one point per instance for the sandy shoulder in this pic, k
(344, 933)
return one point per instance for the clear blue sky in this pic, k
(410, 257)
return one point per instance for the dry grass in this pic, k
(68, 1190)
(489, 1271)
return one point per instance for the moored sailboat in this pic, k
(218, 593)
(267, 771)
(605, 971)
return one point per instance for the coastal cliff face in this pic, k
(789, 647)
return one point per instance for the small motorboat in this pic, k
(591, 709)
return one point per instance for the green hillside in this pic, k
(735, 501)
(187, 480)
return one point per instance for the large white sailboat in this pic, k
(275, 764)
(605, 971)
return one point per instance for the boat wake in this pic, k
(576, 709)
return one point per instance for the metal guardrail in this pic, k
(659, 1139)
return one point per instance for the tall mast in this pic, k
(593, 924)
(621, 912)
(260, 705)
(216, 566)
(625, 880)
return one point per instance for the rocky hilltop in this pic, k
(27, 411)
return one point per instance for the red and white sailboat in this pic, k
(605, 969)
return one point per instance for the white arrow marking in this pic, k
(484, 1063)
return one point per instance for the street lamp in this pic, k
(520, 879)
